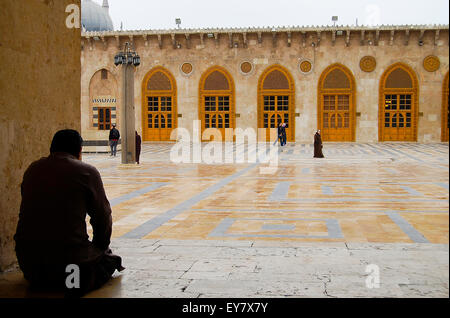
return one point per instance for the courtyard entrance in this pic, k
(399, 108)
(336, 111)
(276, 101)
(159, 105)
(216, 106)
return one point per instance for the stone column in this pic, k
(127, 116)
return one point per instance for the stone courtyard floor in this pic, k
(312, 228)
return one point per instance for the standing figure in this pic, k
(318, 145)
(138, 147)
(284, 134)
(114, 136)
(52, 241)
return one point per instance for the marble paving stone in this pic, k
(388, 204)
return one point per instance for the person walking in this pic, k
(318, 145)
(138, 147)
(114, 136)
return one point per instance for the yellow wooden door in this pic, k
(159, 119)
(398, 117)
(276, 111)
(336, 117)
(216, 114)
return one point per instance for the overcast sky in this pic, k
(161, 14)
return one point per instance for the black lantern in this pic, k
(117, 60)
(127, 57)
(136, 60)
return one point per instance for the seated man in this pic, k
(57, 192)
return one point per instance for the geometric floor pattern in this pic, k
(360, 192)
(309, 228)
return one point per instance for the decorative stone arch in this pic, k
(216, 104)
(336, 103)
(276, 100)
(398, 100)
(445, 118)
(159, 105)
(103, 100)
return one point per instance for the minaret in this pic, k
(105, 5)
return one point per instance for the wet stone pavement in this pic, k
(368, 220)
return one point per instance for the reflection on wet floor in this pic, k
(385, 192)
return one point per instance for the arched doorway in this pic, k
(216, 100)
(398, 109)
(445, 110)
(276, 92)
(336, 104)
(159, 105)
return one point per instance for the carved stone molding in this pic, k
(368, 63)
(174, 41)
(431, 63)
(186, 68)
(406, 37)
(436, 37)
(391, 40)
(105, 43)
(304, 39)
(188, 40)
(145, 37)
(160, 41)
(216, 38)
(246, 68)
(274, 39)
(305, 66)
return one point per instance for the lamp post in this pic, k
(128, 58)
(334, 18)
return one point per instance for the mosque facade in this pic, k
(354, 83)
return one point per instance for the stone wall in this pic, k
(287, 49)
(39, 94)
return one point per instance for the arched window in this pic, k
(445, 110)
(159, 105)
(398, 109)
(103, 101)
(216, 100)
(276, 104)
(336, 104)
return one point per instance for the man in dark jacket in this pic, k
(282, 133)
(51, 237)
(114, 136)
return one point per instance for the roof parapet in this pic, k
(271, 29)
